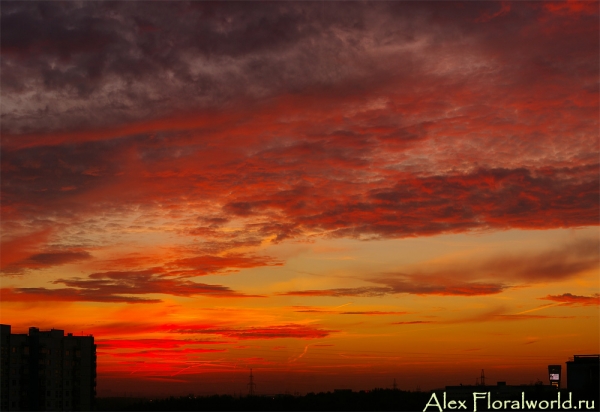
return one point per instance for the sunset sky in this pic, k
(334, 194)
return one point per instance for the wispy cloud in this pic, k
(485, 276)
(412, 322)
(118, 287)
(373, 313)
(268, 332)
(341, 292)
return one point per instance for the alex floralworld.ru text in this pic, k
(485, 399)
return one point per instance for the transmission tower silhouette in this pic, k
(395, 386)
(251, 384)
(482, 378)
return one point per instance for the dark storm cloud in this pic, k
(130, 59)
(96, 63)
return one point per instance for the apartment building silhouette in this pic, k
(47, 371)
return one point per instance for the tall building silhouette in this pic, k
(583, 372)
(47, 371)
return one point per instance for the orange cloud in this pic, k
(488, 276)
(575, 300)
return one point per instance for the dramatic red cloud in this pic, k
(173, 354)
(571, 300)
(269, 332)
(571, 8)
(113, 344)
(290, 330)
(285, 188)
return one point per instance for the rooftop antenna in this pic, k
(251, 384)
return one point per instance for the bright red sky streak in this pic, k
(335, 195)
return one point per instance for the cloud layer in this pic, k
(237, 126)
(474, 277)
